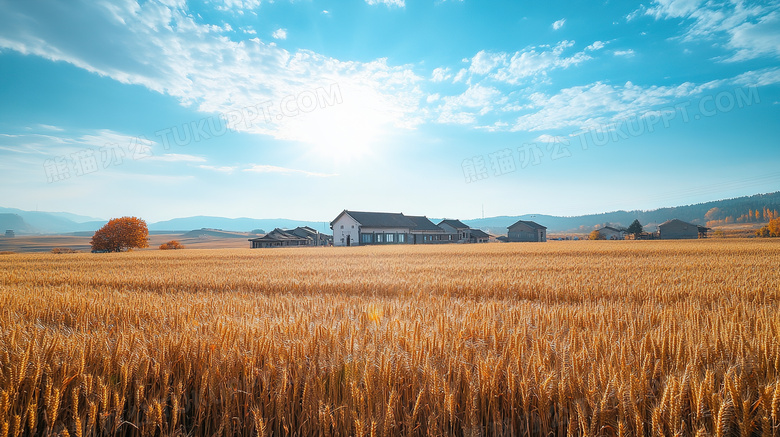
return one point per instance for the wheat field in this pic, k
(620, 338)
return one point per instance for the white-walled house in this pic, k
(358, 228)
(610, 233)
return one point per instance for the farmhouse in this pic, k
(610, 233)
(455, 230)
(358, 228)
(524, 230)
(479, 236)
(317, 238)
(425, 231)
(300, 236)
(677, 229)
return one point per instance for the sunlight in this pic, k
(346, 130)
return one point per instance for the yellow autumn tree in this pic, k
(596, 235)
(771, 229)
(121, 234)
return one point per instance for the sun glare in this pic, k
(346, 130)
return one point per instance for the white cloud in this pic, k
(600, 104)
(50, 127)
(595, 104)
(626, 53)
(170, 51)
(441, 74)
(460, 76)
(464, 108)
(545, 138)
(176, 157)
(747, 31)
(538, 61)
(223, 169)
(597, 45)
(398, 3)
(237, 5)
(263, 168)
(484, 62)
(753, 40)
(280, 34)
(558, 24)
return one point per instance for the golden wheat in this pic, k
(566, 338)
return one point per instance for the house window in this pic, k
(365, 238)
(378, 238)
(402, 238)
(390, 238)
(342, 226)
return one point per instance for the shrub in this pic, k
(171, 245)
(61, 250)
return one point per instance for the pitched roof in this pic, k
(278, 235)
(529, 223)
(381, 219)
(457, 224)
(609, 228)
(478, 233)
(668, 222)
(421, 223)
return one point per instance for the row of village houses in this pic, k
(357, 228)
(669, 230)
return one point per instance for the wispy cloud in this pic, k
(221, 169)
(464, 108)
(625, 53)
(398, 3)
(280, 34)
(207, 70)
(176, 157)
(747, 31)
(558, 24)
(263, 168)
(512, 68)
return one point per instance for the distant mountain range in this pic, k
(36, 222)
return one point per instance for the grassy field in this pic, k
(81, 243)
(562, 338)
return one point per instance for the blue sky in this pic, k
(299, 109)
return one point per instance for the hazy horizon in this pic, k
(300, 110)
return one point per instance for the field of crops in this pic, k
(562, 338)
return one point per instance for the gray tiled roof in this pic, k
(533, 225)
(381, 219)
(478, 233)
(457, 224)
(278, 235)
(675, 220)
(422, 223)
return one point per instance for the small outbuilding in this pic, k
(525, 230)
(479, 236)
(610, 233)
(279, 238)
(675, 229)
